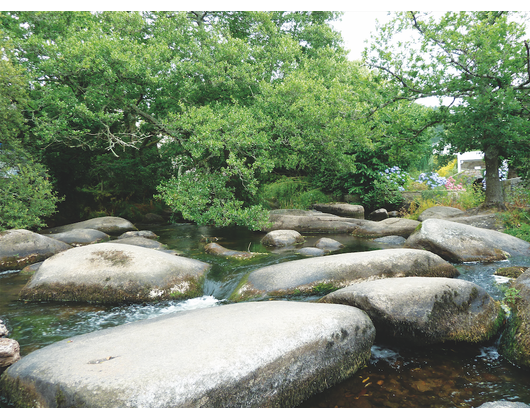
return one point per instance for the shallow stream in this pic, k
(435, 376)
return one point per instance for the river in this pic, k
(434, 376)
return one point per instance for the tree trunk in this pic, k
(494, 190)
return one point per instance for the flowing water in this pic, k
(435, 376)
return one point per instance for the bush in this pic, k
(26, 194)
(292, 193)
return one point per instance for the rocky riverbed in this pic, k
(337, 341)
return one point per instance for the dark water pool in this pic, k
(436, 376)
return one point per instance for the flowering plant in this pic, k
(450, 185)
(396, 176)
(432, 180)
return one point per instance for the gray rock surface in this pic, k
(260, 354)
(77, 237)
(439, 212)
(108, 224)
(424, 310)
(307, 222)
(20, 247)
(340, 270)
(457, 242)
(328, 244)
(139, 241)
(378, 215)
(115, 273)
(341, 209)
(282, 237)
(143, 233)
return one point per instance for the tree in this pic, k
(26, 194)
(482, 61)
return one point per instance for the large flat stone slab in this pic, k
(115, 272)
(260, 354)
(341, 270)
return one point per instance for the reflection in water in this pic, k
(437, 376)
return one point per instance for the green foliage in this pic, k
(26, 194)
(292, 193)
(204, 108)
(479, 58)
(385, 193)
(517, 218)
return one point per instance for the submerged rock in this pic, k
(216, 249)
(515, 340)
(20, 247)
(260, 354)
(424, 310)
(311, 251)
(341, 270)
(107, 224)
(457, 242)
(113, 273)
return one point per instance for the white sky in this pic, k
(356, 27)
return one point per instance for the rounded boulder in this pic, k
(424, 310)
(20, 247)
(113, 273)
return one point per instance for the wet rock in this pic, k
(391, 240)
(280, 238)
(142, 233)
(216, 249)
(328, 244)
(424, 310)
(504, 404)
(259, 354)
(313, 222)
(341, 270)
(515, 340)
(341, 209)
(108, 224)
(113, 273)
(457, 242)
(20, 247)
(76, 237)
(9, 352)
